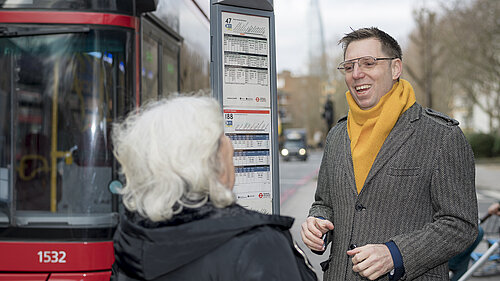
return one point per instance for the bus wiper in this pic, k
(18, 32)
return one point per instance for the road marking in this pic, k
(488, 194)
(285, 195)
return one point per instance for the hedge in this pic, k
(484, 145)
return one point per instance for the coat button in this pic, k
(352, 246)
(359, 207)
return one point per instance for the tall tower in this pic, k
(316, 41)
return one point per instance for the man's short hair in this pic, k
(389, 45)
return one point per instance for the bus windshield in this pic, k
(59, 94)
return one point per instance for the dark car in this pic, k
(294, 149)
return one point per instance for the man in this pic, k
(395, 191)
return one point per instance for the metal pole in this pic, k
(13, 138)
(53, 147)
(480, 262)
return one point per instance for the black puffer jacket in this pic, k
(209, 244)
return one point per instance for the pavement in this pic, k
(298, 203)
(297, 206)
(488, 181)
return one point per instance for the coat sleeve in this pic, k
(322, 205)
(268, 255)
(453, 196)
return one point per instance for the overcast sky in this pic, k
(393, 16)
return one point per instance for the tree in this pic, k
(473, 54)
(454, 57)
(424, 71)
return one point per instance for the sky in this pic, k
(392, 16)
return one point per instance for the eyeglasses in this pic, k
(365, 63)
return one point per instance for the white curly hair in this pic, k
(168, 153)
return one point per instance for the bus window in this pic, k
(149, 69)
(170, 68)
(194, 54)
(165, 47)
(68, 89)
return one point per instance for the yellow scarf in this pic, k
(368, 129)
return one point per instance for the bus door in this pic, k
(60, 90)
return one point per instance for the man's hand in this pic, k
(312, 231)
(372, 260)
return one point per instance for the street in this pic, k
(298, 184)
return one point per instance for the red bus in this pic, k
(68, 70)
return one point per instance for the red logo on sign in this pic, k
(257, 99)
(261, 195)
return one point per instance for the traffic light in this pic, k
(328, 113)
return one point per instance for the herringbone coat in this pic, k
(419, 193)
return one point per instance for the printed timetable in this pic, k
(245, 63)
(249, 132)
(251, 157)
(250, 141)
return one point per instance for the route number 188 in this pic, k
(52, 256)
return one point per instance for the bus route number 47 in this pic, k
(52, 256)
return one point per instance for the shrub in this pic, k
(482, 144)
(496, 146)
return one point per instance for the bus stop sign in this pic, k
(243, 76)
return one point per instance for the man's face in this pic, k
(368, 86)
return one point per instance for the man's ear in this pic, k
(396, 68)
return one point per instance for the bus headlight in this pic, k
(302, 151)
(284, 152)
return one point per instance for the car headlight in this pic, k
(302, 151)
(284, 152)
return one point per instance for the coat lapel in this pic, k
(349, 167)
(396, 138)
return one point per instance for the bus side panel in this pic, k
(56, 257)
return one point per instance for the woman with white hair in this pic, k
(181, 221)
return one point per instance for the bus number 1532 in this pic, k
(52, 256)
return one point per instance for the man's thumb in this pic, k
(325, 225)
